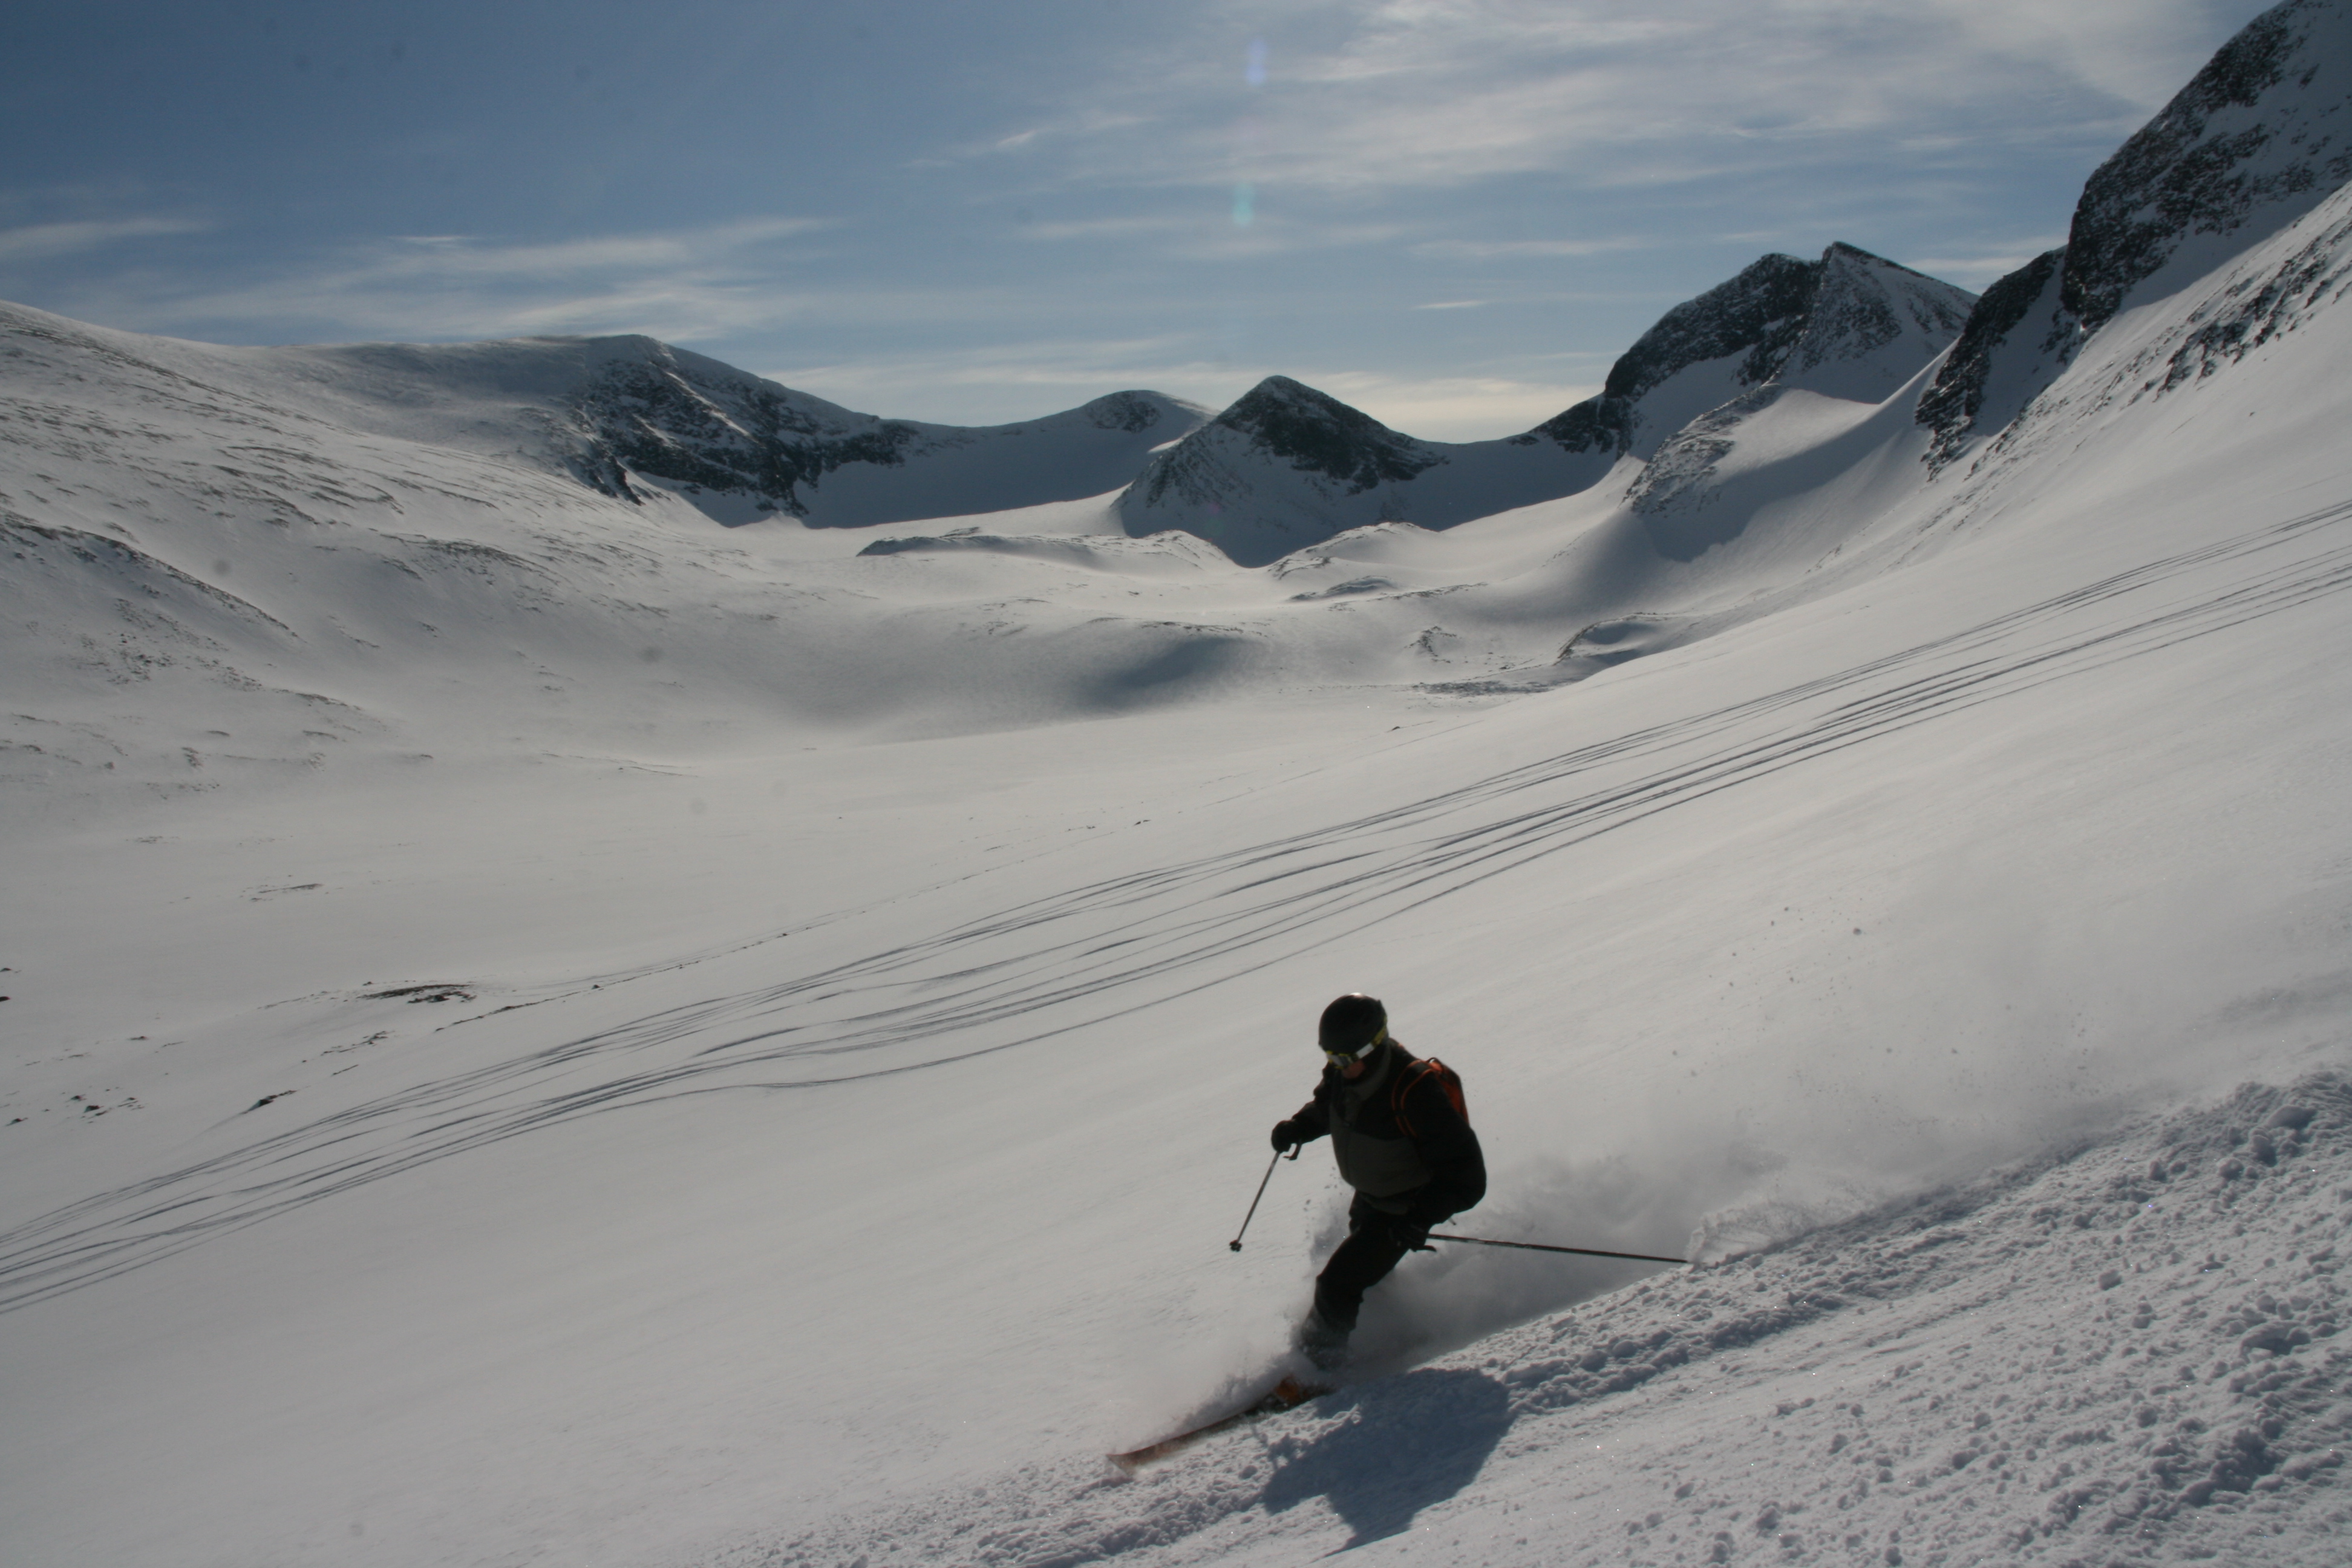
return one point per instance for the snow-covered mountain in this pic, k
(621, 413)
(1287, 467)
(661, 413)
(2257, 140)
(1865, 329)
(541, 1028)
(1851, 325)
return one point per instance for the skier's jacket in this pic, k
(1400, 1135)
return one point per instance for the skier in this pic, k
(1403, 1141)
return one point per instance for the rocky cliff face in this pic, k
(1871, 325)
(673, 417)
(1751, 322)
(1955, 404)
(2254, 140)
(665, 414)
(1345, 450)
(1867, 328)
(1849, 324)
(2257, 138)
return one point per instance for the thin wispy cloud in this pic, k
(1404, 92)
(690, 285)
(1494, 249)
(2139, 51)
(466, 256)
(1131, 227)
(44, 240)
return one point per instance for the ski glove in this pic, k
(1286, 1136)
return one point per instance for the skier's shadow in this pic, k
(1416, 1441)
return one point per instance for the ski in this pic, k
(1287, 1394)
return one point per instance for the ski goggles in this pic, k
(1342, 1059)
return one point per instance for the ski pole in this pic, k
(1236, 1242)
(1538, 1247)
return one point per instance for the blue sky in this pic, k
(1453, 213)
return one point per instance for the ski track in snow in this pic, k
(2123, 1355)
(1116, 947)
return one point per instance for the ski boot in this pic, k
(1323, 1343)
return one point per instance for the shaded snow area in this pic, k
(607, 964)
(2125, 1353)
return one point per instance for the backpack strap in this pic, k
(1448, 1080)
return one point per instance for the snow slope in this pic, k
(541, 1029)
(2172, 1295)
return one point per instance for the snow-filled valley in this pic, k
(591, 978)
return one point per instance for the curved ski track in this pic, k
(1118, 946)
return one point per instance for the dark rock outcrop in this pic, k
(665, 413)
(2257, 138)
(1953, 402)
(666, 418)
(2197, 168)
(1757, 313)
(1780, 317)
(1311, 432)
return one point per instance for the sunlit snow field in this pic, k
(582, 1035)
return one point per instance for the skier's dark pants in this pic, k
(1362, 1261)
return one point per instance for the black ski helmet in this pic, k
(1351, 1024)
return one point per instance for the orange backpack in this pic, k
(1447, 1079)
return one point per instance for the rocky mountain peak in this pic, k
(2268, 121)
(1954, 404)
(1865, 306)
(1287, 467)
(1760, 313)
(696, 422)
(1314, 433)
(1133, 411)
(2259, 137)
(1779, 318)
(648, 409)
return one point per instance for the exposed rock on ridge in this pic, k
(1780, 317)
(1287, 465)
(2316, 274)
(1958, 396)
(1866, 328)
(1759, 312)
(1314, 432)
(668, 416)
(675, 415)
(2257, 138)
(2216, 156)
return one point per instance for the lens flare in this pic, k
(1245, 203)
(1254, 72)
